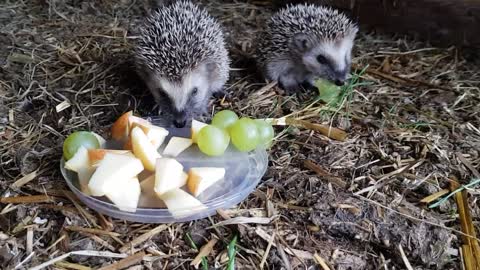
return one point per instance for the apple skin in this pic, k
(120, 127)
(96, 155)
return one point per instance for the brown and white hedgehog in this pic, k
(304, 42)
(182, 57)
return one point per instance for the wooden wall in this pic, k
(442, 22)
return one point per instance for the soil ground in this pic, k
(412, 119)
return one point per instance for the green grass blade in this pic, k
(231, 254)
(471, 184)
(192, 244)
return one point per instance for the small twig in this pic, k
(243, 220)
(432, 197)
(74, 266)
(204, 252)
(89, 218)
(90, 230)
(25, 179)
(142, 238)
(331, 132)
(321, 261)
(25, 260)
(284, 256)
(27, 199)
(267, 251)
(470, 247)
(29, 240)
(125, 262)
(404, 258)
(468, 165)
(89, 253)
(321, 172)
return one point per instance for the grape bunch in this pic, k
(246, 134)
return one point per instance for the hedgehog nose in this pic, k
(180, 123)
(339, 82)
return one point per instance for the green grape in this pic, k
(265, 132)
(77, 139)
(244, 134)
(224, 119)
(212, 140)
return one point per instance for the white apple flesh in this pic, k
(125, 194)
(177, 145)
(201, 178)
(79, 160)
(196, 127)
(111, 169)
(143, 149)
(180, 203)
(148, 198)
(169, 175)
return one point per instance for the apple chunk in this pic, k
(201, 178)
(149, 198)
(155, 134)
(96, 155)
(169, 175)
(143, 149)
(177, 145)
(79, 160)
(112, 168)
(196, 127)
(180, 203)
(134, 121)
(120, 128)
(125, 194)
(84, 175)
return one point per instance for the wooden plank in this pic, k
(442, 22)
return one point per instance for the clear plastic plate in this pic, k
(243, 173)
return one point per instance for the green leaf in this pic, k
(328, 92)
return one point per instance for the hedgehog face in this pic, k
(187, 97)
(327, 59)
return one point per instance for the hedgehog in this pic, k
(181, 56)
(305, 42)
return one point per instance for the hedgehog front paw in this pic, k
(290, 89)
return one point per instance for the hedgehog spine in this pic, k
(304, 42)
(181, 54)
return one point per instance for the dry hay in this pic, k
(413, 123)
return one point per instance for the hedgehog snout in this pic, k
(180, 118)
(339, 77)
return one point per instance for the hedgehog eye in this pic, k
(194, 91)
(321, 59)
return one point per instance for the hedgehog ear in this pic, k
(301, 42)
(211, 67)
